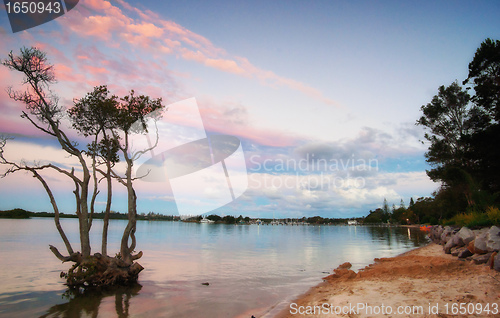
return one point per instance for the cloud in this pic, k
(150, 33)
(315, 194)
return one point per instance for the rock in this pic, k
(480, 243)
(464, 236)
(491, 261)
(493, 243)
(480, 231)
(488, 241)
(448, 246)
(481, 258)
(470, 247)
(496, 262)
(435, 233)
(448, 232)
(464, 252)
(439, 231)
(454, 251)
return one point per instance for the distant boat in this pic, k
(205, 220)
(352, 222)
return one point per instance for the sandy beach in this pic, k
(424, 282)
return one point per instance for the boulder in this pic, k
(493, 243)
(448, 246)
(464, 236)
(447, 234)
(470, 247)
(435, 233)
(488, 241)
(496, 262)
(481, 258)
(459, 239)
(480, 231)
(464, 252)
(454, 251)
(480, 243)
(491, 261)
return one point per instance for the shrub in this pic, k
(493, 215)
(470, 219)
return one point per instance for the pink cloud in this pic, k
(98, 4)
(67, 74)
(146, 29)
(225, 65)
(98, 26)
(154, 35)
(95, 70)
(150, 38)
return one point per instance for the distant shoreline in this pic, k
(23, 214)
(19, 213)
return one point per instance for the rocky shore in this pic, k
(426, 282)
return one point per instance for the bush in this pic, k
(476, 219)
(493, 215)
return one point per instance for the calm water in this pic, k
(251, 270)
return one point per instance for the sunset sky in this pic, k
(295, 81)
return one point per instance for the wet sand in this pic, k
(424, 282)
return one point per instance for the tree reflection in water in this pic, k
(86, 303)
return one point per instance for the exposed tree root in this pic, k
(99, 271)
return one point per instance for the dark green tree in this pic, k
(93, 116)
(112, 122)
(484, 74)
(448, 121)
(412, 203)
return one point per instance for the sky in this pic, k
(322, 95)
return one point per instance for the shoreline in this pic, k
(423, 282)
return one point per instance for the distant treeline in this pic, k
(23, 214)
(228, 219)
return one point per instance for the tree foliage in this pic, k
(449, 122)
(484, 72)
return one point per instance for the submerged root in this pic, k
(100, 271)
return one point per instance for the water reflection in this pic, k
(248, 266)
(397, 235)
(88, 303)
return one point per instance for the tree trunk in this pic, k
(104, 247)
(56, 212)
(129, 232)
(84, 215)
